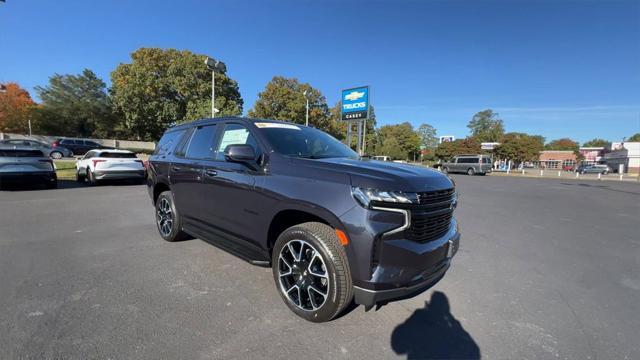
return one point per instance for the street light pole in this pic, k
(306, 122)
(213, 93)
(214, 65)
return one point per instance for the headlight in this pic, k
(366, 196)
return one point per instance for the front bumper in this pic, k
(385, 265)
(422, 282)
(119, 174)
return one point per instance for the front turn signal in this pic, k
(344, 240)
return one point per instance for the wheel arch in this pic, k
(158, 189)
(290, 216)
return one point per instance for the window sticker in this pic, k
(276, 125)
(233, 137)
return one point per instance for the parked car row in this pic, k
(27, 165)
(59, 149)
(54, 152)
(97, 165)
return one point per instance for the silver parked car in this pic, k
(53, 152)
(468, 164)
(26, 165)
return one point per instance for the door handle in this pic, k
(175, 168)
(211, 173)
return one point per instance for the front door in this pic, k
(230, 187)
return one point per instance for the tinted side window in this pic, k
(167, 142)
(474, 160)
(235, 134)
(182, 144)
(463, 160)
(201, 144)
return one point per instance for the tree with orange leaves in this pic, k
(15, 108)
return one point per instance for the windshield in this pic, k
(304, 142)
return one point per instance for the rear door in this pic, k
(185, 172)
(230, 187)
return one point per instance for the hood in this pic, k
(383, 175)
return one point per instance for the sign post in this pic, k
(355, 109)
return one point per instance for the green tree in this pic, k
(408, 141)
(634, 138)
(283, 99)
(486, 126)
(428, 138)
(391, 147)
(162, 87)
(338, 128)
(74, 105)
(519, 147)
(597, 143)
(562, 144)
(449, 149)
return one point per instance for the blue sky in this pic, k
(555, 68)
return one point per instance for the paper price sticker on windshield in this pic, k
(271, 125)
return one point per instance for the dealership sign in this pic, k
(355, 103)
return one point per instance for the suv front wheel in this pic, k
(311, 271)
(168, 219)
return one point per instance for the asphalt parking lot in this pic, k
(548, 268)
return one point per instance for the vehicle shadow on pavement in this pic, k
(64, 184)
(434, 333)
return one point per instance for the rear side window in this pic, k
(20, 153)
(468, 160)
(117, 155)
(91, 143)
(167, 142)
(486, 160)
(201, 144)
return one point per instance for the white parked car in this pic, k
(102, 164)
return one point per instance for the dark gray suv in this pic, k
(334, 227)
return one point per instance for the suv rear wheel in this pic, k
(168, 219)
(471, 172)
(311, 271)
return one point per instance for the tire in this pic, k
(91, 178)
(79, 177)
(166, 210)
(471, 172)
(52, 185)
(56, 155)
(317, 246)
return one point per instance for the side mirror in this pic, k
(240, 153)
